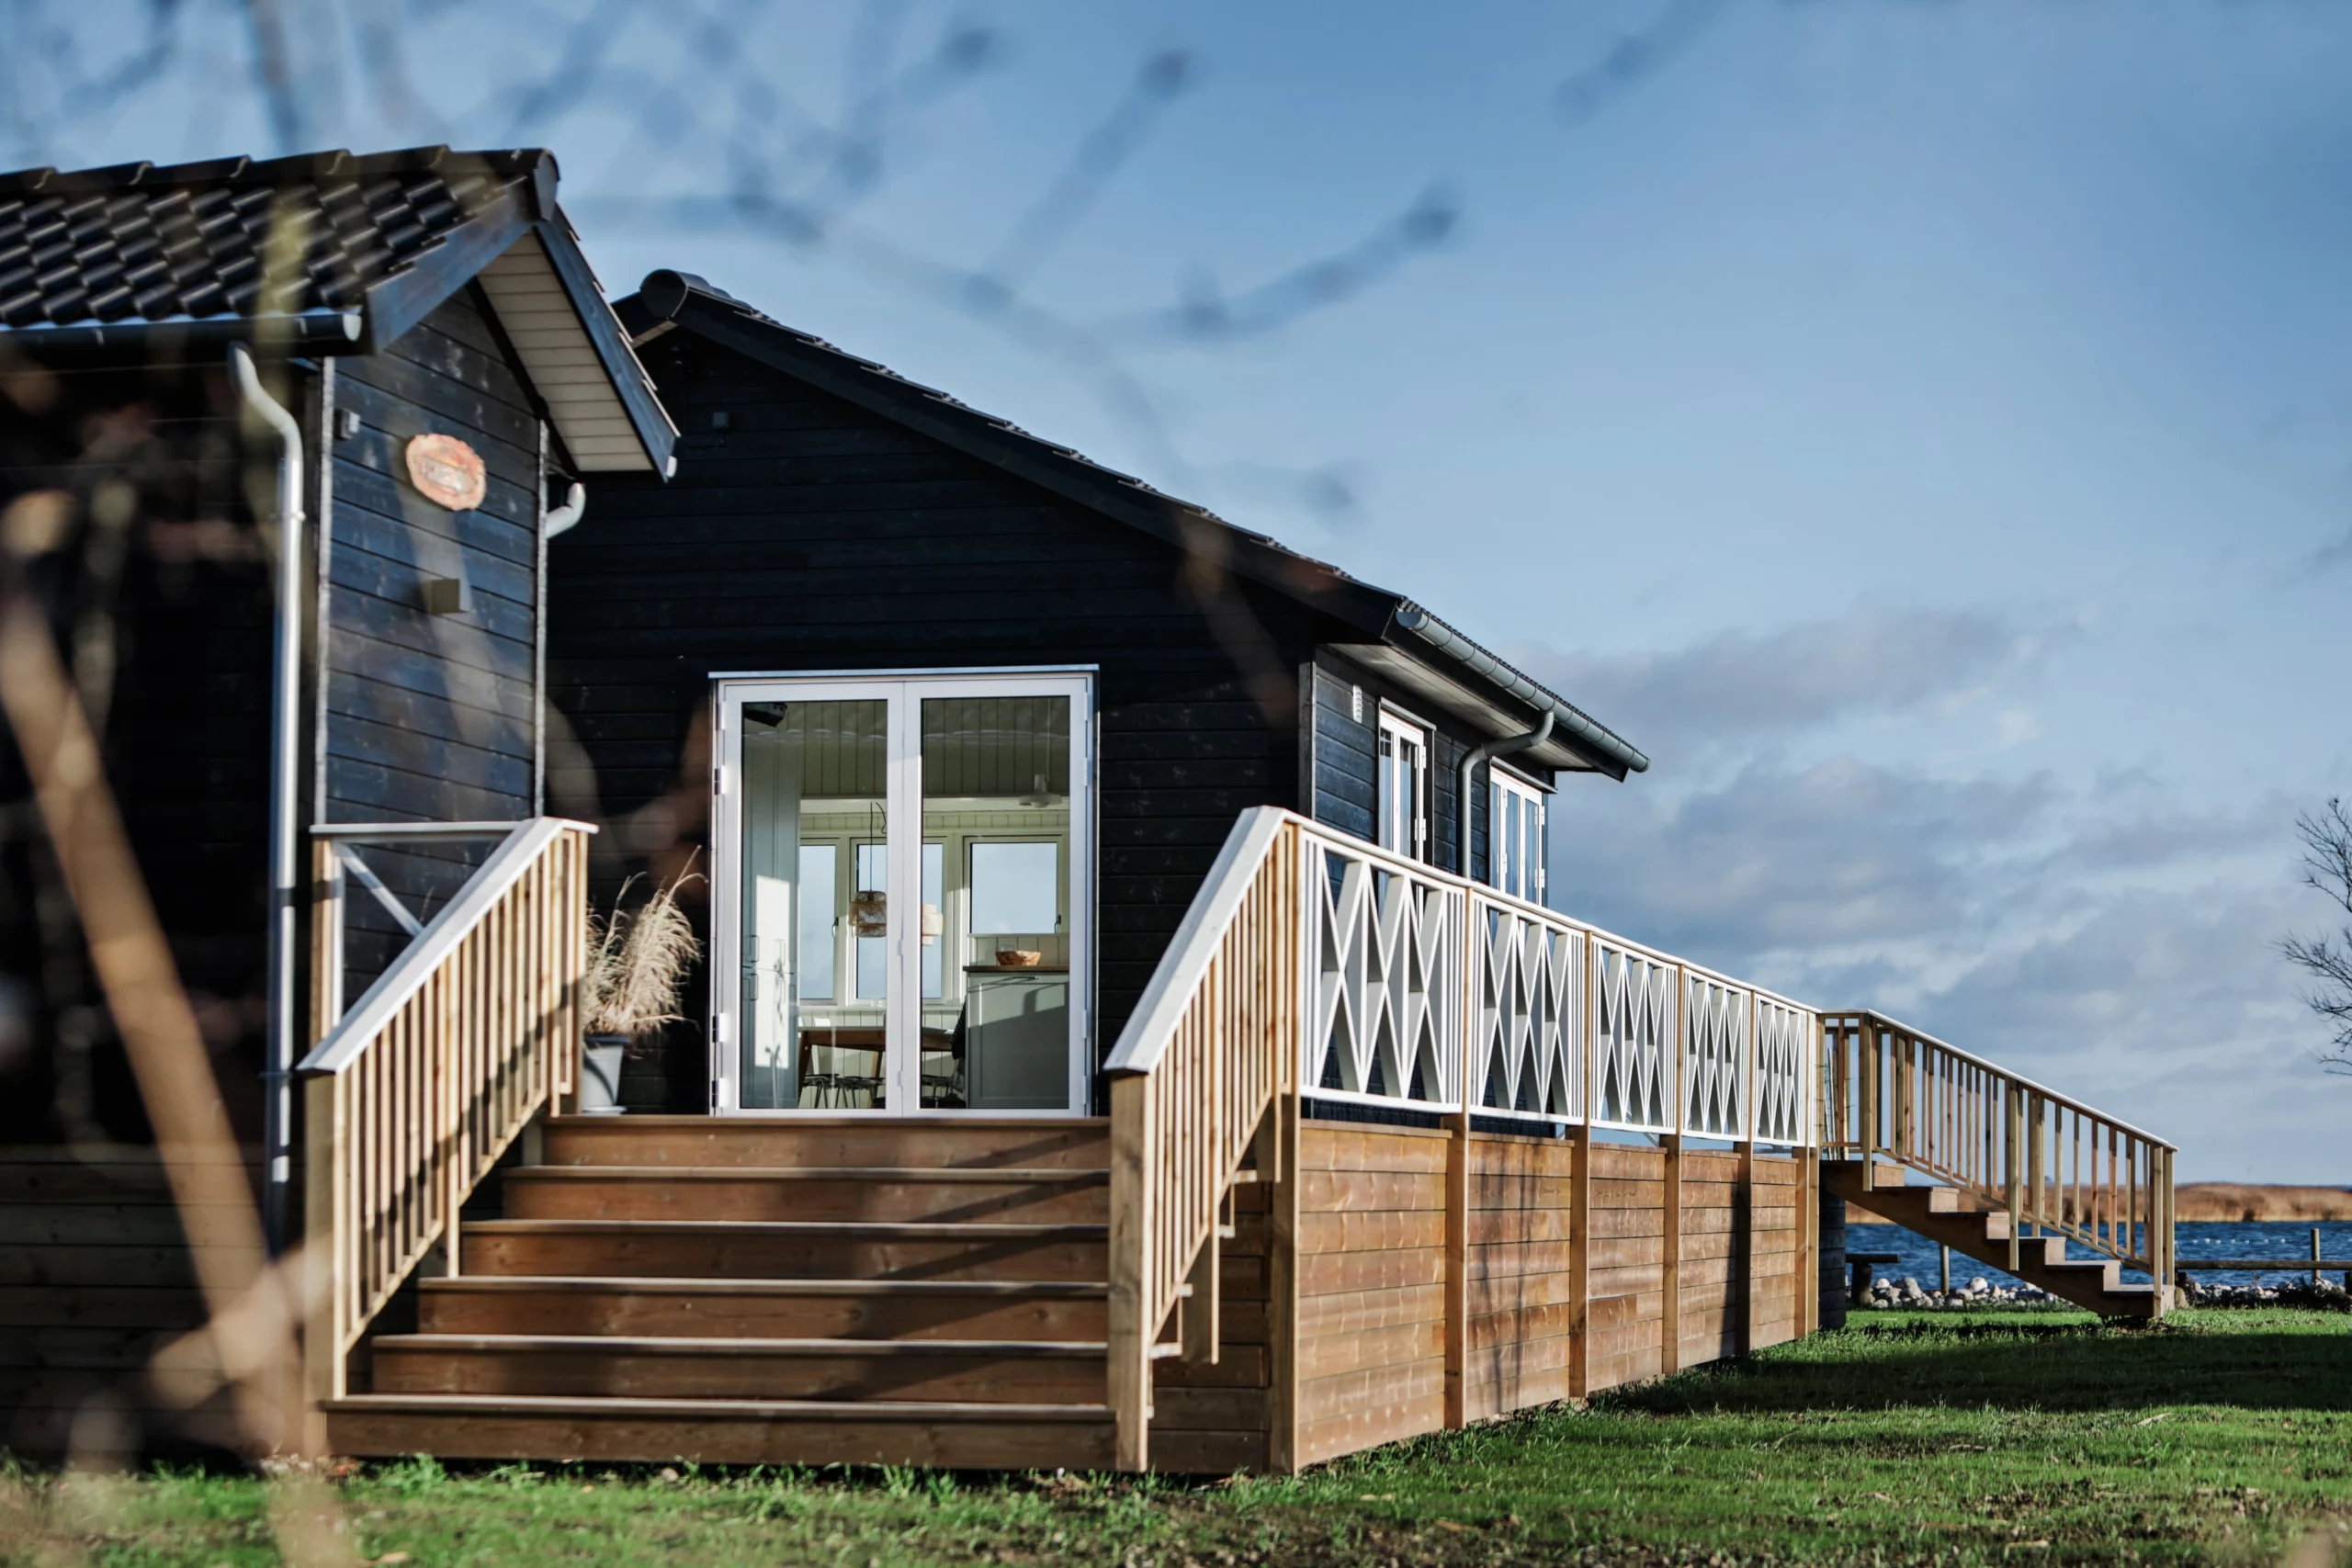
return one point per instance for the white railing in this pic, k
(413, 1094)
(1527, 1001)
(1314, 963)
(1384, 993)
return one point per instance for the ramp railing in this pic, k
(2057, 1166)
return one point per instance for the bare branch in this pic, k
(1162, 78)
(1634, 58)
(2327, 961)
(1208, 316)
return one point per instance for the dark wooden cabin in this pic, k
(379, 299)
(828, 515)
(1134, 1033)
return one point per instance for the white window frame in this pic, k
(905, 690)
(1504, 784)
(1416, 834)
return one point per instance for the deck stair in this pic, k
(1980, 1229)
(735, 1291)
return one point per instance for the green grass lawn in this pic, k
(2003, 1437)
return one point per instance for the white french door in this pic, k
(902, 894)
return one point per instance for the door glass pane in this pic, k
(996, 802)
(866, 914)
(813, 791)
(820, 919)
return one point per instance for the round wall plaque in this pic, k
(448, 471)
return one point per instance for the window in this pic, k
(1515, 837)
(1016, 889)
(1403, 779)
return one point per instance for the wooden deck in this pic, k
(666, 1289)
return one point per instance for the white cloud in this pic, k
(2093, 932)
(1738, 685)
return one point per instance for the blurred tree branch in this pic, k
(709, 125)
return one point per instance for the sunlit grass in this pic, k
(1960, 1438)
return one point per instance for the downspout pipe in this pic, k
(1470, 762)
(285, 759)
(564, 516)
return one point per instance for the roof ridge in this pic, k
(326, 163)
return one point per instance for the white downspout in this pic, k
(564, 516)
(1470, 761)
(285, 793)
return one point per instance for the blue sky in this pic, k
(1926, 428)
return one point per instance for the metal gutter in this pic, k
(1587, 734)
(314, 332)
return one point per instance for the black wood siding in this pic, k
(429, 717)
(812, 534)
(1344, 782)
(160, 592)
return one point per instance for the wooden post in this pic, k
(326, 1253)
(1580, 1262)
(1743, 1205)
(1129, 1382)
(2012, 1166)
(1866, 1071)
(1457, 1264)
(1808, 1281)
(1282, 1293)
(326, 938)
(1671, 1271)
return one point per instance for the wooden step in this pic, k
(725, 1431)
(742, 1250)
(1969, 1226)
(1038, 1196)
(785, 1309)
(595, 1366)
(1017, 1143)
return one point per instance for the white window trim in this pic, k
(1505, 780)
(1393, 720)
(729, 691)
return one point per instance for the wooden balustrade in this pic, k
(1313, 964)
(1209, 1053)
(2057, 1166)
(413, 1095)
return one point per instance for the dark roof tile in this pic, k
(75, 246)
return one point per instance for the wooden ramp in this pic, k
(815, 1292)
(1981, 1229)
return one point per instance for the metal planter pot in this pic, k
(600, 1074)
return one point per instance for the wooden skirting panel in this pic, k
(1373, 1279)
(1372, 1275)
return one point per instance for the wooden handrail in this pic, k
(413, 1095)
(1211, 1048)
(2057, 1166)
